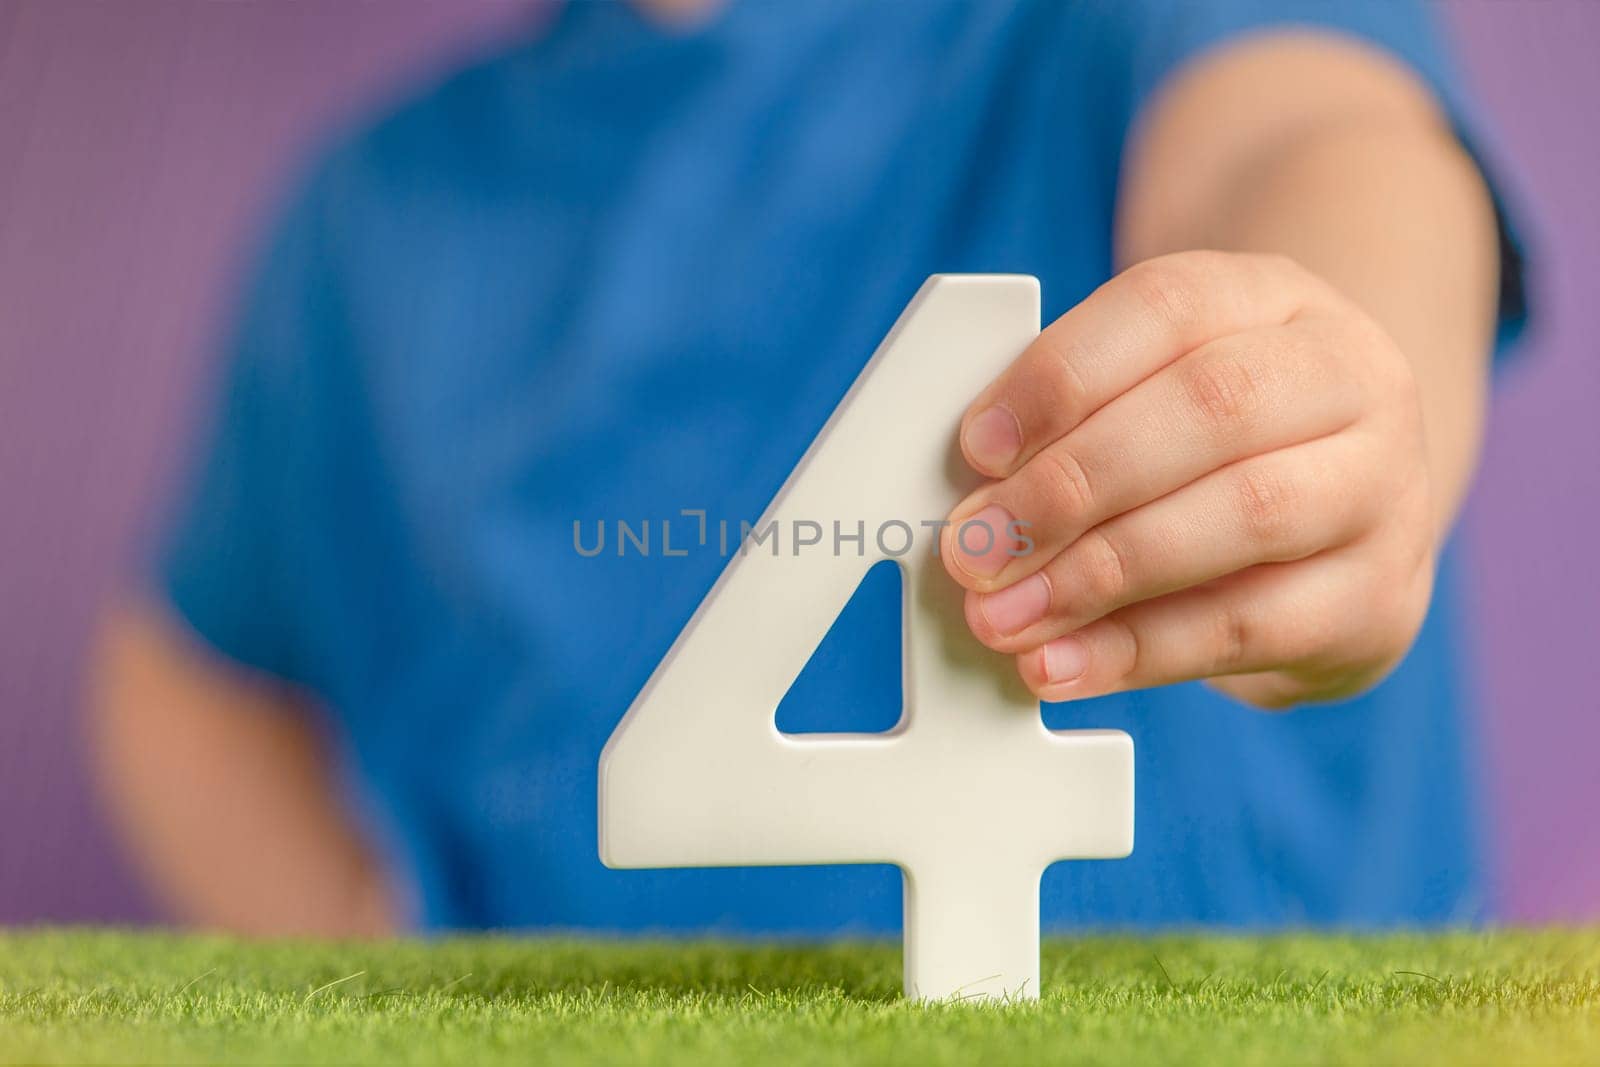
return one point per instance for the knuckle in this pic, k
(1307, 639)
(1301, 347)
(1224, 390)
(1267, 507)
(1234, 635)
(1263, 692)
(1400, 382)
(1398, 609)
(1068, 481)
(1132, 660)
(1283, 271)
(1165, 286)
(1365, 354)
(1279, 697)
(1103, 569)
(1060, 364)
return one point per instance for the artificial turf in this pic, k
(91, 996)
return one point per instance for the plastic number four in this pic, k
(969, 794)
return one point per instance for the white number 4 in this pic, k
(969, 795)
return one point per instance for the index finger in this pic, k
(1124, 331)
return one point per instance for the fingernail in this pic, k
(993, 438)
(982, 542)
(1017, 607)
(1065, 658)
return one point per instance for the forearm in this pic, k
(223, 792)
(1374, 194)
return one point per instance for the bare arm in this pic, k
(1332, 154)
(222, 789)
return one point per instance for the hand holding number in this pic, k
(1220, 463)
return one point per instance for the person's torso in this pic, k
(617, 275)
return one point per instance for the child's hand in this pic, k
(1220, 461)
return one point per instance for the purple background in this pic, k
(140, 141)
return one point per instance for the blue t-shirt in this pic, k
(613, 273)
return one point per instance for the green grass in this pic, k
(89, 996)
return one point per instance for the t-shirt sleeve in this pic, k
(230, 563)
(1161, 36)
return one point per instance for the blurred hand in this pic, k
(1220, 464)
